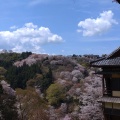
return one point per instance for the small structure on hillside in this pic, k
(111, 84)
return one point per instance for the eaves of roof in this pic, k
(109, 99)
(107, 62)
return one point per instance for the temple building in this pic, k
(110, 100)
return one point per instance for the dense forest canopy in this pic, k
(44, 86)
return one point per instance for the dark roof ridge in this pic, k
(97, 60)
(107, 62)
(110, 55)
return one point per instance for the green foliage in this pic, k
(84, 62)
(2, 77)
(25, 55)
(7, 59)
(86, 65)
(74, 55)
(18, 76)
(55, 94)
(8, 110)
(9, 56)
(2, 71)
(6, 64)
(44, 80)
(31, 83)
(31, 105)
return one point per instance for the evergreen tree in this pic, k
(8, 109)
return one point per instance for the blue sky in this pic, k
(60, 27)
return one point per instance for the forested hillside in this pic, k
(48, 87)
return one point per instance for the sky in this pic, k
(60, 27)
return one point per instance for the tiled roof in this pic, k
(111, 60)
(115, 53)
(109, 99)
(107, 62)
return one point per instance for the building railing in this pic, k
(111, 111)
(107, 92)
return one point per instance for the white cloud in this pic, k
(13, 27)
(91, 27)
(28, 38)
